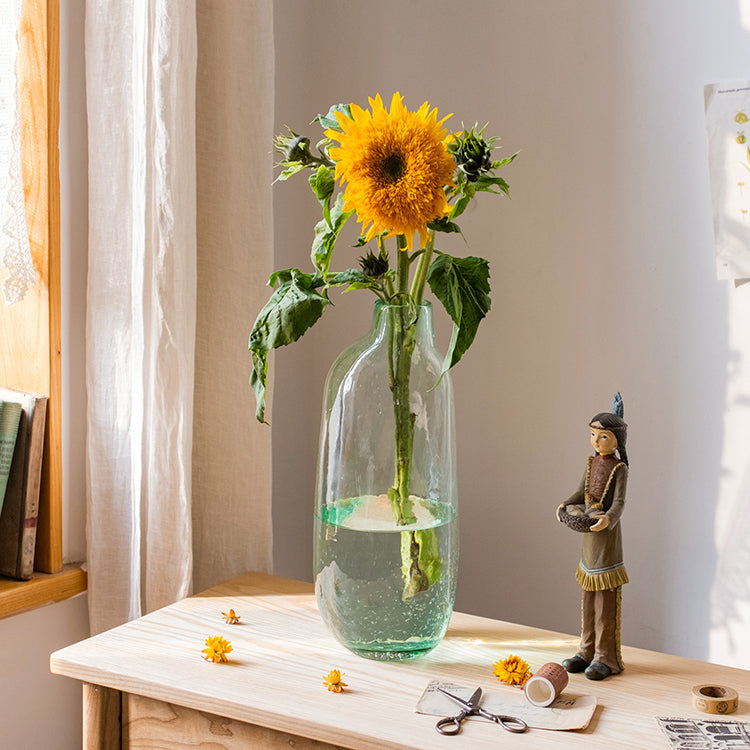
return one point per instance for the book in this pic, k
(10, 416)
(21, 506)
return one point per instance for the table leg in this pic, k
(102, 718)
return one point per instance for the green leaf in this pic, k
(486, 183)
(322, 184)
(462, 287)
(292, 309)
(444, 225)
(429, 554)
(348, 277)
(354, 278)
(283, 276)
(330, 121)
(421, 564)
(288, 274)
(258, 383)
(326, 234)
(503, 162)
(460, 205)
(289, 172)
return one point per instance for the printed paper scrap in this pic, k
(569, 711)
(728, 129)
(705, 734)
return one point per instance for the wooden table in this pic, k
(146, 684)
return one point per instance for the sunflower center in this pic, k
(393, 168)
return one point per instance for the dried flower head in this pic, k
(333, 681)
(513, 670)
(231, 617)
(217, 649)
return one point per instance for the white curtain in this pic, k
(140, 321)
(153, 376)
(15, 251)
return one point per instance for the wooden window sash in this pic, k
(30, 358)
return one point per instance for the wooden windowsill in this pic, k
(43, 588)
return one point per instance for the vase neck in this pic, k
(420, 316)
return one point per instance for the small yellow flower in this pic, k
(217, 649)
(333, 681)
(513, 670)
(231, 617)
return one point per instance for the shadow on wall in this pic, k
(731, 590)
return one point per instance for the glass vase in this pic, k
(386, 516)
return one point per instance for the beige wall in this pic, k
(603, 279)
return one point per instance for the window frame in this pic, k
(39, 73)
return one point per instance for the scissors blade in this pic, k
(475, 698)
(469, 705)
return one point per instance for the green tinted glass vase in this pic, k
(386, 516)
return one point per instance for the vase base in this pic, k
(393, 651)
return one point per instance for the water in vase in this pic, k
(360, 582)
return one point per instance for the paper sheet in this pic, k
(728, 130)
(705, 734)
(569, 711)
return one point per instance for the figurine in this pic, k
(595, 509)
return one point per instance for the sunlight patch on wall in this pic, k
(745, 14)
(730, 595)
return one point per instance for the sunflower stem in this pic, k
(402, 273)
(423, 266)
(389, 288)
(401, 343)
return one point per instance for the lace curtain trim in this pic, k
(15, 252)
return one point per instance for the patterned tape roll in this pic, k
(546, 684)
(715, 699)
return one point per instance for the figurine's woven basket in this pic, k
(577, 523)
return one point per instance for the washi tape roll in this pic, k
(715, 699)
(546, 684)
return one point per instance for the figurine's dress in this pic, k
(601, 572)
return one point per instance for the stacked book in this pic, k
(22, 420)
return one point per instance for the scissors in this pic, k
(452, 724)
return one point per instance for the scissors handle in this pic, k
(511, 723)
(451, 725)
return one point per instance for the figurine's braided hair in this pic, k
(614, 422)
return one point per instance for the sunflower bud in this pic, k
(373, 266)
(295, 148)
(473, 154)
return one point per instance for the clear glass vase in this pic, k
(386, 516)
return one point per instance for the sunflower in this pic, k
(395, 166)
